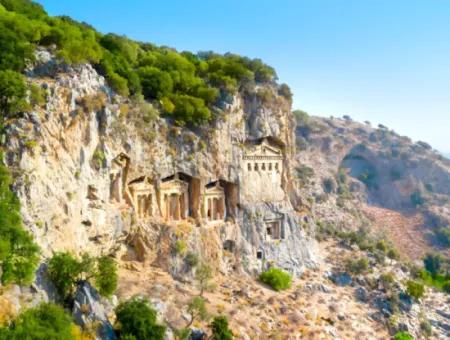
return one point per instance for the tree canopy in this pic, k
(185, 85)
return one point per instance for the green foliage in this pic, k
(433, 263)
(220, 329)
(203, 274)
(446, 287)
(329, 185)
(45, 322)
(415, 289)
(304, 174)
(37, 95)
(357, 266)
(276, 278)
(403, 336)
(443, 236)
(18, 253)
(179, 247)
(191, 259)
(285, 91)
(65, 271)
(184, 84)
(197, 310)
(136, 318)
(106, 276)
(12, 94)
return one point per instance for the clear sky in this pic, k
(386, 61)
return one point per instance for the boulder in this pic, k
(88, 309)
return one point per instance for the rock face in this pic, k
(93, 173)
(89, 312)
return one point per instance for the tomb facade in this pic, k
(174, 199)
(143, 197)
(214, 207)
(262, 171)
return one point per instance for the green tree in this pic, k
(12, 93)
(203, 275)
(45, 322)
(138, 319)
(64, 271)
(276, 278)
(197, 310)
(19, 255)
(106, 276)
(220, 329)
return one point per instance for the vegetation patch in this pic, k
(276, 278)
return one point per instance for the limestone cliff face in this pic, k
(91, 168)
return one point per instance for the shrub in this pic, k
(417, 199)
(106, 276)
(415, 289)
(136, 318)
(446, 286)
(45, 322)
(329, 185)
(191, 259)
(220, 329)
(37, 95)
(357, 266)
(443, 236)
(387, 280)
(304, 174)
(276, 278)
(18, 253)
(285, 91)
(12, 93)
(403, 336)
(179, 248)
(425, 327)
(433, 263)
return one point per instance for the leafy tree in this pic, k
(276, 278)
(415, 289)
(106, 276)
(18, 253)
(203, 274)
(45, 322)
(64, 271)
(12, 93)
(220, 329)
(136, 318)
(197, 310)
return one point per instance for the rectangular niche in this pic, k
(274, 230)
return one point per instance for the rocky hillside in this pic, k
(184, 178)
(354, 175)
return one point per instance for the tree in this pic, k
(45, 322)
(106, 276)
(19, 255)
(220, 330)
(203, 274)
(12, 93)
(432, 263)
(276, 278)
(136, 318)
(197, 309)
(64, 270)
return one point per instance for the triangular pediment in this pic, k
(264, 149)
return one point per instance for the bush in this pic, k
(136, 318)
(415, 289)
(191, 259)
(433, 263)
(45, 322)
(106, 276)
(357, 266)
(276, 278)
(19, 255)
(403, 336)
(64, 270)
(220, 330)
(446, 286)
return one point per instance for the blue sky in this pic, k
(384, 61)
